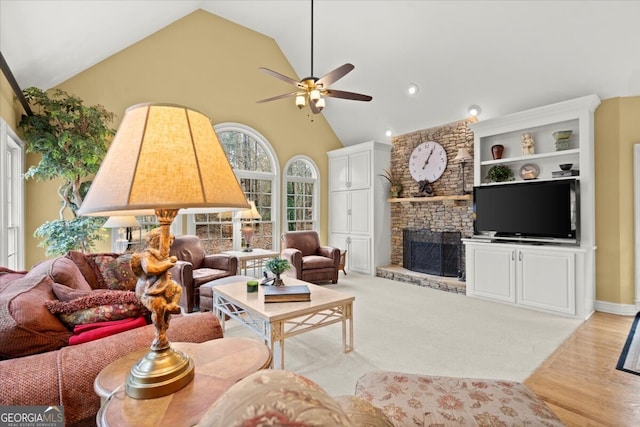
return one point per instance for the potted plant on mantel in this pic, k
(72, 140)
(278, 266)
(395, 185)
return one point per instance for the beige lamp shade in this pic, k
(462, 155)
(251, 213)
(163, 157)
(121, 222)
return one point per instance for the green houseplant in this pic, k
(395, 186)
(499, 173)
(72, 141)
(278, 266)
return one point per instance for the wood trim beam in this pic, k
(14, 85)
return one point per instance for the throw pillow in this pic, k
(94, 331)
(275, 397)
(26, 326)
(113, 271)
(98, 307)
(61, 270)
(66, 294)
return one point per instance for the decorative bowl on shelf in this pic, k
(562, 134)
(566, 166)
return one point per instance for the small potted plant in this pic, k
(278, 266)
(395, 185)
(500, 173)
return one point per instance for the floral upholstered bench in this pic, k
(423, 400)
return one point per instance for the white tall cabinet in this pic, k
(359, 214)
(549, 277)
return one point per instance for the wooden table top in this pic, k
(219, 364)
(321, 297)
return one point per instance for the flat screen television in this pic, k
(536, 211)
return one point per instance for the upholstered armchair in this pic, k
(309, 260)
(194, 268)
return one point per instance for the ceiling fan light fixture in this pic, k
(314, 95)
(320, 104)
(300, 101)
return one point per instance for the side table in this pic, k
(219, 364)
(253, 260)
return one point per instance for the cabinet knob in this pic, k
(348, 184)
(519, 256)
(513, 255)
(348, 240)
(348, 211)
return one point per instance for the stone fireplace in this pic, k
(432, 252)
(449, 211)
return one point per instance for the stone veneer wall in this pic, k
(446, 215)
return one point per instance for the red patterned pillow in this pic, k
(98, 307)
(113, 271)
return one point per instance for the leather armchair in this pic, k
(309, 260)
(195, 268)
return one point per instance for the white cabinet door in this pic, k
(360, 170)
(359, 254)
(339, 218)
(491, 272)
(546, 280)
(359, 207)
(339, 173)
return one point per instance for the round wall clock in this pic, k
(428, 161)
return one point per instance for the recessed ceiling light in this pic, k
(474, 111)
(388, 132)
(413, 89)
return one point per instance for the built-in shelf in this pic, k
(430, 199)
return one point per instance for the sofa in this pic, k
(65, 320)
(381, 399)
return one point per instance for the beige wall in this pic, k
(617, 128)
(209, 64)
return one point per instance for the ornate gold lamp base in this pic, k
(159, 373)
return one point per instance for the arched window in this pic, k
(254, 162)
(301, 192)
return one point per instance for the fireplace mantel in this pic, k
(430, 199)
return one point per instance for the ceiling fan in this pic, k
(312, 90)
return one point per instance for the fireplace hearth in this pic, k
(432, 252)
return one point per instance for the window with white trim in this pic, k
(301, 189)
(12, 158)
(254, 162)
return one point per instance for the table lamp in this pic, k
(462, 156)
(247, 230)
(122, 223)
(164, 158)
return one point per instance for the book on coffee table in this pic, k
(294, 293)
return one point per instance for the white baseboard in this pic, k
(614, 308)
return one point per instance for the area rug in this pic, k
(630, 358)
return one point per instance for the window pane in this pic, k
(244, 152)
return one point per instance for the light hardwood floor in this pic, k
(579, 381)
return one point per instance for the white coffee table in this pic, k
(275, 322)
(253, 260)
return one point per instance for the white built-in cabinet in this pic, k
(359, 214)
(550, 277)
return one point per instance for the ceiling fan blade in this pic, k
(335, 75)
(281, 77)
(314, 108)
(286, 95)
(346, 95)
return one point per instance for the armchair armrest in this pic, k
(221, 262)
(330, 252)
(294, 256)
(182, 274)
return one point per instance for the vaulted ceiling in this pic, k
(504, 56)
